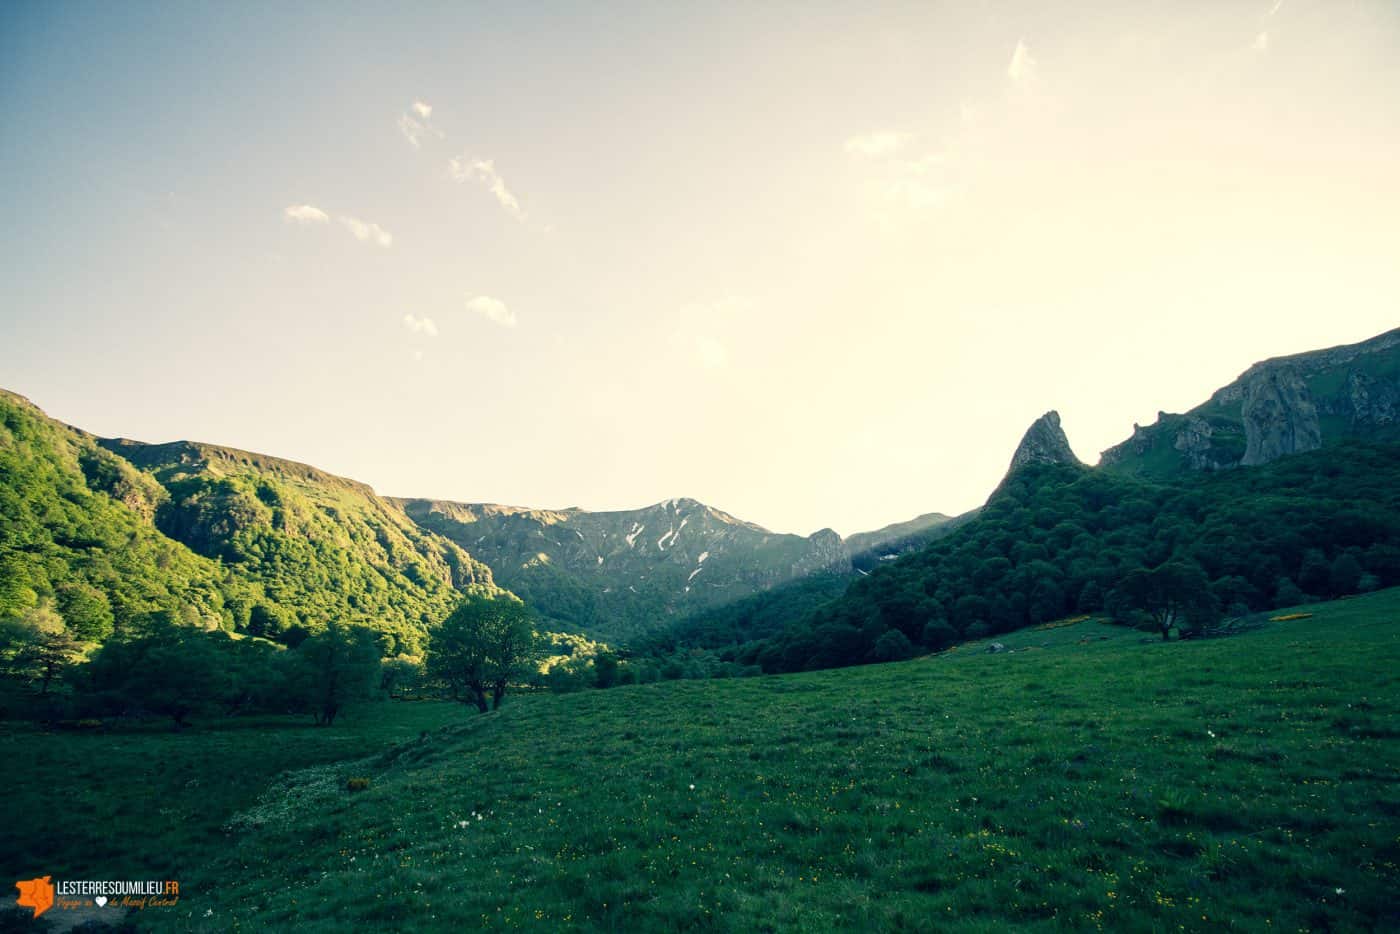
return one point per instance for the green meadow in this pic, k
(1085, 777)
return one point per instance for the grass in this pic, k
(147, 803)
(1088, 777)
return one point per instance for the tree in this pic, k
(605, 669)
(335, 668)
(939, 635)
(86, 611)
(482, 646)
(892, 646)
(1345, 574)
(47, 657)
(1175, 594)
(1314, 575)
(36, 649)
(167, 669)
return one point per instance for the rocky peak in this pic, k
(1044, 443)
(826, 551)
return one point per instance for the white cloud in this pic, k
(305, 214)
(1261, 42)
(414, 130)
(420, 325)
(1023, 64)
(416, 124)
(1278, 5)
(418, 355)
(484, 171)
(367, 232)
(710, 353)
(881, 143)
(492, 309)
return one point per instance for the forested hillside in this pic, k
(78, 539)
(97, 536)
(1060, 539)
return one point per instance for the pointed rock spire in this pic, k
(1043, 443)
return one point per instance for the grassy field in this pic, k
(1087, 777)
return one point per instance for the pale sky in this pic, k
(814, 264)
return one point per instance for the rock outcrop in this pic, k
(1043, 443)
(1279, 416)
(1285, 405)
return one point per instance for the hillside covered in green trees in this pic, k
(1059, 539)
(103, 534)
(1307, 508)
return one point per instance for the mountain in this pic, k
(1058, 539)
(620, 573)
(917, 527)
(1315, 514)
(78, 542)
(1043, 443)
(213, 535)
(1285, 405)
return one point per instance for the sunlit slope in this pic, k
(1091, 777)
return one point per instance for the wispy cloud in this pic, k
(416, 124)
(466, 169)
(363, 231)
(492, 309)
(305, 214)
(424, 326)
(880, 143)
(1261, 42)
(366, 231)
(1023, 65)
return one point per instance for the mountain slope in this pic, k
(324, 545)
(105, 532)
(1285, 405)
(617, 574)
(77, 534)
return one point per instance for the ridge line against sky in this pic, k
(816, 270)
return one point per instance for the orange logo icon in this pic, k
(36, 894)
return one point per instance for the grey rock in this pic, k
(1279, 415)
(1044, 443)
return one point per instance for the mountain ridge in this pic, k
(1283, 405)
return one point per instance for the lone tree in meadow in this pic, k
(333, 669)
(1174, 594)
(484, 645)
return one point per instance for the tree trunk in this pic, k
(498, 692)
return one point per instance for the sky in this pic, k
(814, 264)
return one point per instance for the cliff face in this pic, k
(1286, 405)
(1279, 416)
